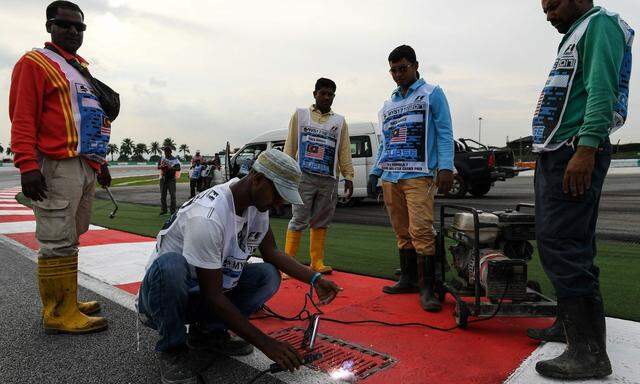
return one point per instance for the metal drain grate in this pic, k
(336, 353)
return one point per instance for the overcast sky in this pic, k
(204, 72)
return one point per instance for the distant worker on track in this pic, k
(582, 103)
(169, 166)
(319, 139)
(60, 129)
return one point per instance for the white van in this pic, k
(364, 151)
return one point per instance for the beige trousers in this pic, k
(66, 212)
(409, 204)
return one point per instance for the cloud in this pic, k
(7, 59)
(205, 72)
(157, 82)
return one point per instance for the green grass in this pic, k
(143, 180)
(371, 250)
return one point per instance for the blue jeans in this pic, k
(566, 225)
(170, 298)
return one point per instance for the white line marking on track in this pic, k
(29, 226)
(116, 264)
(623, 347)
(16, 212)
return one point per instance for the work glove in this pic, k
(372, 186)
(104, 177)
(34, 186)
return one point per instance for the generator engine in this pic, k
(505, 249)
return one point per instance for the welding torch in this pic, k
(308, 342)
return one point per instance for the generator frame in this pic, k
(541, 306)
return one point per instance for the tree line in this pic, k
(130, 151)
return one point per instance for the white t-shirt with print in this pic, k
(199, 233)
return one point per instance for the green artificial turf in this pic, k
(371, 250)
(143, 180)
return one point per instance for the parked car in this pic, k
(479, 167)
(364, 149)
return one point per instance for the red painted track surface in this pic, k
(98, 237)
(16, 218)
(486, 352)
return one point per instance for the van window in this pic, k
(246, 157)
(360, 146)
(279, 145)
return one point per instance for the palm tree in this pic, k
(168, 142)
(126, 148)
(184, 148)
(112, 149)
(154, 148)
(138, 151)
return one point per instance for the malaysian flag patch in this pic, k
(315, 152)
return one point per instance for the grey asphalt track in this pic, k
(27, 355)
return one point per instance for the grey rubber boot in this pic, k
(426, 281)
(554, 333)
(586, 355)
(408, 282)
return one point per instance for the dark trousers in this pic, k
(170, 297)
(170, 186)
(195, 185)
(566, 225)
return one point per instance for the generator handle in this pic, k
(476, 240)
(524, 205)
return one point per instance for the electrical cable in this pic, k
(305, 314)
(495, 313)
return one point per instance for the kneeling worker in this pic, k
(319, 139)
(198, 274)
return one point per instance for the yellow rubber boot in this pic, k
(318, 236)
(89, 307)
(291, 246)
(58, 283)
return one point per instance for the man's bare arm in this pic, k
(210, 281)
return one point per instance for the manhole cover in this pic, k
(338, 354)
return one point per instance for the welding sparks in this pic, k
(344, 374)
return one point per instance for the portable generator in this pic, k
(489, 260)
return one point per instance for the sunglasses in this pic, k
(66, 24)
(400, 68)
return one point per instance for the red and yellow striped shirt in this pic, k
(41, 113)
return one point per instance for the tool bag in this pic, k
(109, 99)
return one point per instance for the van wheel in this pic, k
(458, 189)
(479, 190)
